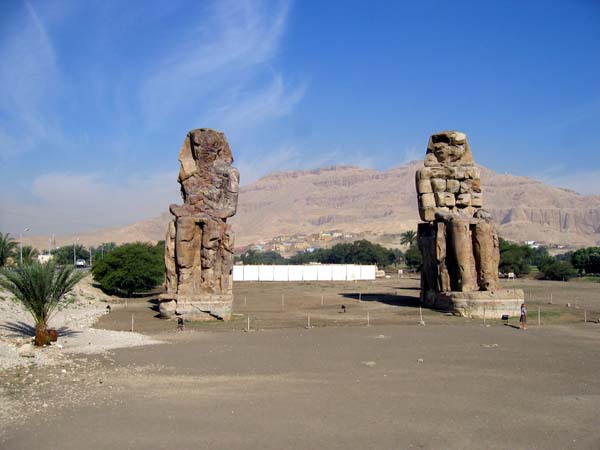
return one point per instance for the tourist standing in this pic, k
(523, 318)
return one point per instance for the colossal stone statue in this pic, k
(199, 243)
(458, 240)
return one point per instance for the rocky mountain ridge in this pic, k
(354, 200)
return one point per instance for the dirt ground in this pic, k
(385, 301)
(453, 383)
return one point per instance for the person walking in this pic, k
(523, 318)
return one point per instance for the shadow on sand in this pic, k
(24, 329)
(388, 299)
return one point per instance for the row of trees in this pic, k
(11, 253)
(66, 254)
(124, 269)
(520, 259)
(585, 260)
(357, 252)
(516, 258)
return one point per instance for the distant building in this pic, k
(44, 258)
(532, 244)
(281, 247)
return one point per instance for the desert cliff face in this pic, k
(352, 199)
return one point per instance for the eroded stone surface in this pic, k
(199, 242)
(450, 173)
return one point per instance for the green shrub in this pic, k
(413, 257)
(586, 260)
(254, 257)
(558, 270)
(130, 268)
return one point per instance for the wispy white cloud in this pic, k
(232, 40)
(29, 78)
(248, 109)
(218, 72)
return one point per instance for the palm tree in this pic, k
(40, 288)
(29, 254)
(408, 238)
(7, 248)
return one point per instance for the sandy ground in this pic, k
(453, 383)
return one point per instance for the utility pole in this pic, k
(74, 255)
(21, 245)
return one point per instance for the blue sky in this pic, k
(96, 97)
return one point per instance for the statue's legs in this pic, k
(487, 255)
(464, 278)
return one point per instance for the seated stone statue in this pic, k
(199, 242)
(458, 240)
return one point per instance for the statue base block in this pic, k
(477, 304)
(204, 307)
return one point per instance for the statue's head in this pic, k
(208, 181)
(209, 146)
(448, 148)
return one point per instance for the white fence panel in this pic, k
(324, 273)
(265, 273)
(251, 273)
(310, 273)
(280, 273)
(238, 273)
(352, 272)
(295, 273)
(368, 272)
(338, 272)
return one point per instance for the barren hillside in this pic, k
(353, 199)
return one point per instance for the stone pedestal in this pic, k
(196, 307)
(477, 304)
